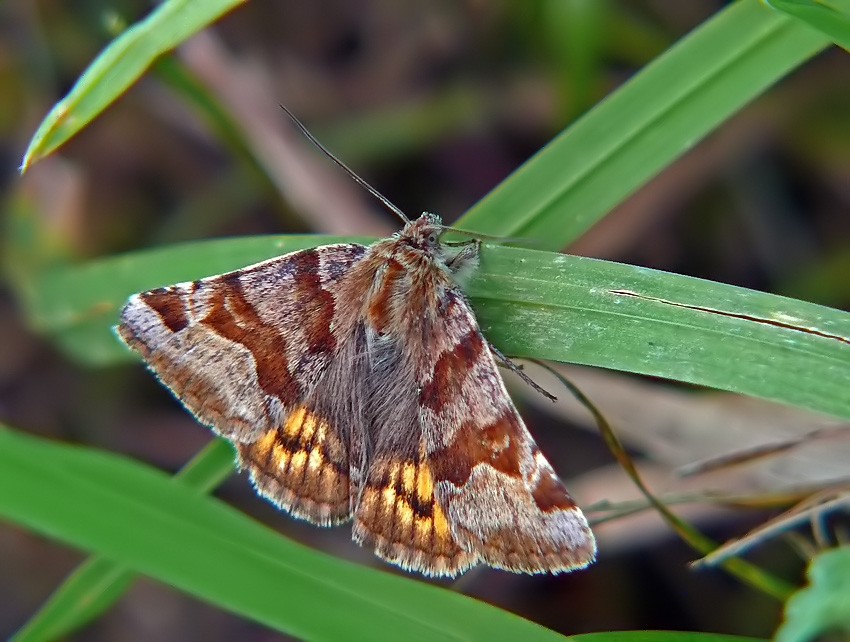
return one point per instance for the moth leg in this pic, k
(510, 365)
(462, 243)
(466, 259)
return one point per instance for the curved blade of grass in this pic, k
(138, 516)
(533, 304)
(99, 582)
(742, 569)
(639, 129)
(810, 510)
(93, 587)
(118, 66)
(831, 17)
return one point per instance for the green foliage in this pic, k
(99, 582)
(639, 129)
(831, 17)
(126, 511)
(821, 609)
(530, 303)
(119, 66)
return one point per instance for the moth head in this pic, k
(424, 233)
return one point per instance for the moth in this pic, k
(355, 384)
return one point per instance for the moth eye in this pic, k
(432, 238)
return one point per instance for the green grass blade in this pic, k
(140, 517)
(99, 582)
(123, 61)
(93, 587)
(593, 312)
(831, 17)
(534, 304)
(639, 129)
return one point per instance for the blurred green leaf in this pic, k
(533, 304)
(639, 129)
(405, 129)
(118, 66)
(822, 609)
(140, 517)
(823, 279)
(93, 587)
(575, 32)
(831, 17)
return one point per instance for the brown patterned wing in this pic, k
(502, 499)
(242, 351)
(453, 477)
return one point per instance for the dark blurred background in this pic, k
(434, 103)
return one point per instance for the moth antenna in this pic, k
(387, 203)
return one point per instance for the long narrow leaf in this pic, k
(140, 517)
(99, 582)
(639, 129)
(119, 66)
(831, 17)
(534, 304)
